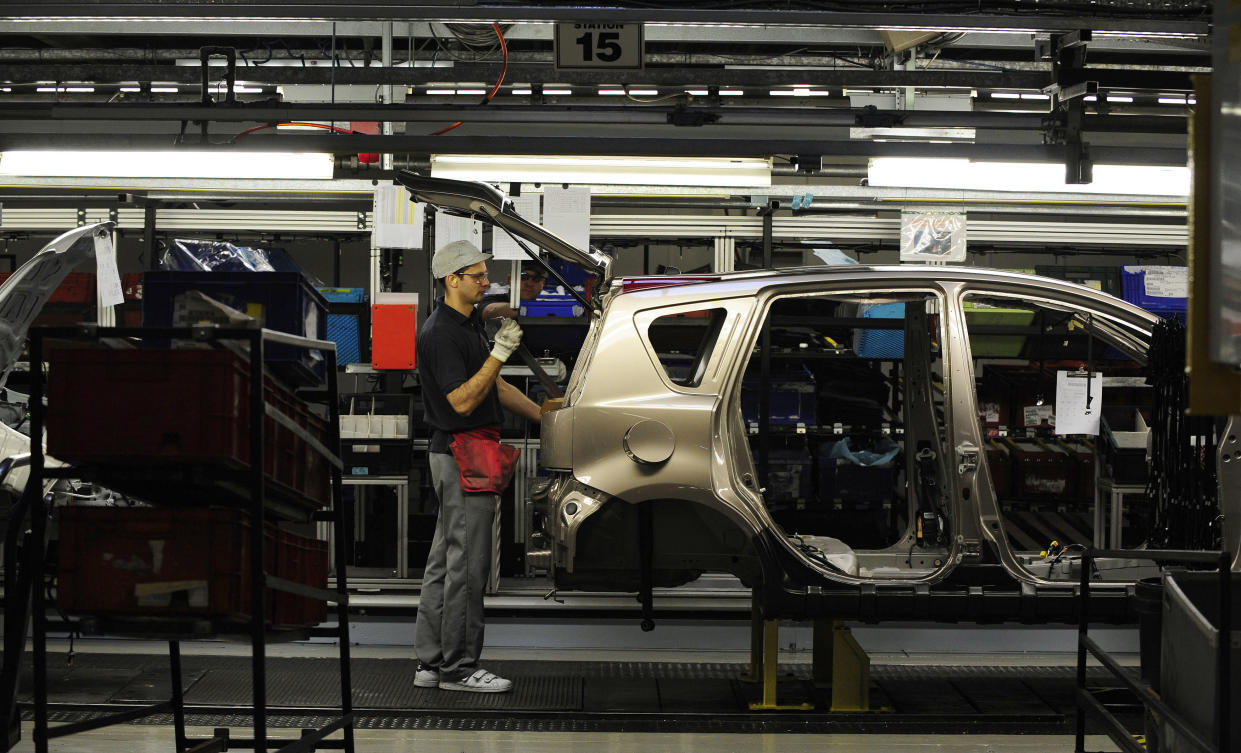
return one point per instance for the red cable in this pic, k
(307, 125)
(499, 81)
(503, 65)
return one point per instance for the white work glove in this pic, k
(507, 340)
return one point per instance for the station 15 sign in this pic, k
(617, 46)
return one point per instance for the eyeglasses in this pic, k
(532, 276)
(479, 277)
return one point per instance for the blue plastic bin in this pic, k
(286, 300)
(345, 329)
(791, 403)
(552, 306)
(1133, 282)
(344, 295)
(881, 343)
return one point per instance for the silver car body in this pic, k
(628, 438)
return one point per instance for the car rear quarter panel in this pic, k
(626, 384)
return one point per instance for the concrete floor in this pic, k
(135, 738)
(140, 739)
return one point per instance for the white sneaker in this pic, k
(426, 677)
(481, 681)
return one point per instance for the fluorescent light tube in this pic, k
(635, 171)
(166, 164)
(1143, 180)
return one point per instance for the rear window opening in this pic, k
(683, 342)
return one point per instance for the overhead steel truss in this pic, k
(1112, 18)
(828, 228)
(533, 73)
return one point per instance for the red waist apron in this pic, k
(486, 465)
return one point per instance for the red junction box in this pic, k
(181, 562)
(394, 328)
(172, 407)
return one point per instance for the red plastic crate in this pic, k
(181, 562)
(131, 286)
(170, 407)
(77, 287)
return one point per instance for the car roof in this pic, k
(750, 282)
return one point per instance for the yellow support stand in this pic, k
(850, 671)
(771, 672)
(838, 662)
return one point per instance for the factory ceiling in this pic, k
(831, 83)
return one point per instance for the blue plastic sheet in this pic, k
(883, 453)
(214, 256)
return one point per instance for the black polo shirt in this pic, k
(451, 349)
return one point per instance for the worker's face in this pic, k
(471, 283)
(532, 284)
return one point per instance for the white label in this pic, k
(107, 279)
(1038, 414)
(566, 212)
(397, 221)
(504, 247)
(614, 46)
(1077, 412)
(933, 237)
(1167, 282)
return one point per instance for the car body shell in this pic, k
(653, 481)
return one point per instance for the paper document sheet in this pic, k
(108, 280)
(1072, 414)
(502, 246)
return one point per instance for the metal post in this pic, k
(389, 92)
(148, 235)
(822, 642)
(38, 532)
(1083, 621)
(336, 262)
(178, 697)
(764, 382)
(341, 535)
(1223, 675)
(258, 602)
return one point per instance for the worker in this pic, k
(463, 395)
(533, 277)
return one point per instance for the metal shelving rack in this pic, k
(257, 507)
(1152, 701)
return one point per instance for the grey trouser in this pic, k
(449, 632)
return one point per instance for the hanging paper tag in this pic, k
(108, 280)
(1073, 415)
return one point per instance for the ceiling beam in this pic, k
(451, 10)
(26, 73)
(611, 146)
(628, 114)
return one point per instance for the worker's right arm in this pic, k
(469, 395)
